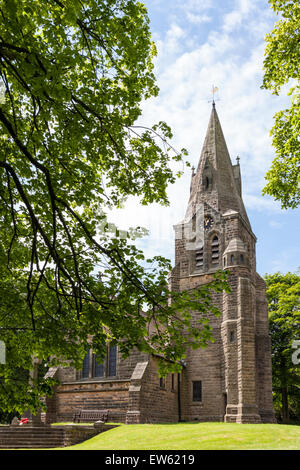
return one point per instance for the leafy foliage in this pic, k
(74, 74)
(283, 293)
(281, 67)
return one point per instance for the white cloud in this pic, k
(284, 260)
(232, 20)
(241, 12)
(261, 203)
(198, 19)
(172, 45)
(196, 5)
(275, 224)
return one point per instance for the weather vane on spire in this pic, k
(214, 90)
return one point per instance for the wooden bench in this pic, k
(86, 416)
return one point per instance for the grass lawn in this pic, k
(195, 436)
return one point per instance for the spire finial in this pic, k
(214, 90)
(238, 160)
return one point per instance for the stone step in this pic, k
(42, 437)
(3, 445)
(32, 444)
(23, 430)
(33, 436)
(30, 436)
(30, 439)
(29, 431)
(23, 437)
(29, 446)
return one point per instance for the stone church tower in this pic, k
(231, 379)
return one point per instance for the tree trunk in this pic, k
(35, 420)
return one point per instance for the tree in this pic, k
(74, 74)
(281, 67)
(283, 293)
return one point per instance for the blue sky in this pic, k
(201, 43)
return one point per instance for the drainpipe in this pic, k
(178, 396)
(183, 364)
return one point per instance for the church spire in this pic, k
(215, 181)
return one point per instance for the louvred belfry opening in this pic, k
(215, 253)
(199, 258)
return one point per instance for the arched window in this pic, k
(215, 250)
(242, 259)
(199, 258)
(232, 259)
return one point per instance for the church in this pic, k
(231, 379)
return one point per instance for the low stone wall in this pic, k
(74, 434)
(72, 397)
